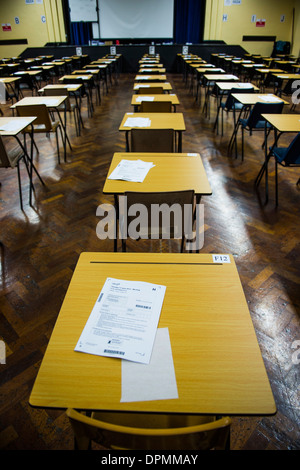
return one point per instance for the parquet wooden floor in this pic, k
(41, 246)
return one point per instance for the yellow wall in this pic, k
(31, 26)
(239, 22)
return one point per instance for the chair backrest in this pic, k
(58, 92)
(163, 215)
(155, 90)
(156, 107)
(76, 81)
(24, 79)
(4, 160)
(137, 431)
(42, 122)
(263, 108)
(230, 100)
(152, 140)
(292, 156)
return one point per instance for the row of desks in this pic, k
(217, 360)
(223, 83)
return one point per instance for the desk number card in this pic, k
(221, 258)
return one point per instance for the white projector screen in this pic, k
(135, 19)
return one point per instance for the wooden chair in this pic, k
(26, 82)
(255, 122)
(152, 140)
(154, 90)
(71, 108)
(286, 157)
(149, 431)
(230, 104)
(82, 93)
(11, 159)
(43, 123)
(164, 215)
(156, 107)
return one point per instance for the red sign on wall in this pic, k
(6, 27)
(260, 23)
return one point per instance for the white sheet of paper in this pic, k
(131, 170)
(153, 381)
(11, 126)
(123, 322)
(144, 98)
(270, 98)
(137, 122)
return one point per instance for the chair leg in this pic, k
(57, 146)
(276, 182)
(242, 143)
(20, 188)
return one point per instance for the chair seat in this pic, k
(259, 124)
(237, 106)
(42, 127)
(280, 154)
(14, 156)
(71, 107)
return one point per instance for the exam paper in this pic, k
(131, 170)
(11, 126)
(153, 381)
(144, 98)
(270, 98)
(137, 122)
(124, 320)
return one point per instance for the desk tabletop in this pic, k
(67, 86)
(170, 97)
(94, 71)
(158, 121)
(165, 85)
(224, 86)
(96, 66)
(85, 77)
(149, 70)
(11, 126)
(150, 64)
(220, 76)
(49, 101)
(172, 172)
(212, 70)
(284, 122)
(9, 79)
(264, 71)
(252, 98)
(287, 76)
(149, 78)
(217, 359)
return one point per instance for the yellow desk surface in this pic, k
(151, 78)
(287, 76)
(153, 69)
(158, 120)
(172, 172)
(284, 122)
(217, 359)
(85, 77)
(223, 77)
(19, 123)
(252, 98)
(136, 99)
(165, 85)
(49, 101)
(225, 86)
